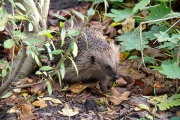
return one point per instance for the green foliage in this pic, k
(150, 35)
(158, 11)
(166, 102)
(62, 70)
(74, 48)
(141, 5)
(175, 118)
(5, 69)
(119, 15)
(9, 43)
(170, 69)
(129, 42)
(49, 87)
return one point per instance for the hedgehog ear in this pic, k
(92, 60)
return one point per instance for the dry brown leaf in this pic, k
(128, 24)
(79, 87)
(117, 97)
(67, 111)
(120, 82)
(27, 112)
(40, 102)
(52, 99)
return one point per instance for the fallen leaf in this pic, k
(120, 82)
(128, 24)
(141, 107)
(52, 99)
(67, 111)
(79, 87)
(117, 97)
(40, 102)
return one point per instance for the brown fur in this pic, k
(97, 60)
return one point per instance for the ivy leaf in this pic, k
(158, 12)
(141, 5)
(171, 70)
(119, 15)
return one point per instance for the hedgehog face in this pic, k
(106, 62)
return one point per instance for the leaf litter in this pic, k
(120, 103)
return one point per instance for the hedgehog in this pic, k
(97, 59)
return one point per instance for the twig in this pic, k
(5, 86)
(28, 85)
(17, 105)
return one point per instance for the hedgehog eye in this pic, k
(107, 67)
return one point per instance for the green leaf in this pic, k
(74, 64)
(7, 94)
(38, 73)
(158, 12)
(119, 15)
(4, 14)
(9, 43)
(37, 60)
(20, 17)
(49, 87)
(4, 73)
(46, 68)
(56, 52)
(73, 32)
(20, 6)
(149, 35)
(162, 38)
(133, 42)
(171, 70)
(79, 15)
(60, 17)
(175, 118)
(90, 12)
(141, 5)
(20, 35)
(74, 48)
(62, 69)
(45, 32)
(167, 103)
(49, 35)
(143, 106)
(63, 34)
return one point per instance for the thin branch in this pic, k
(28, 85)
(5, 86)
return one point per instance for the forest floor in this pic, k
(132, 99)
